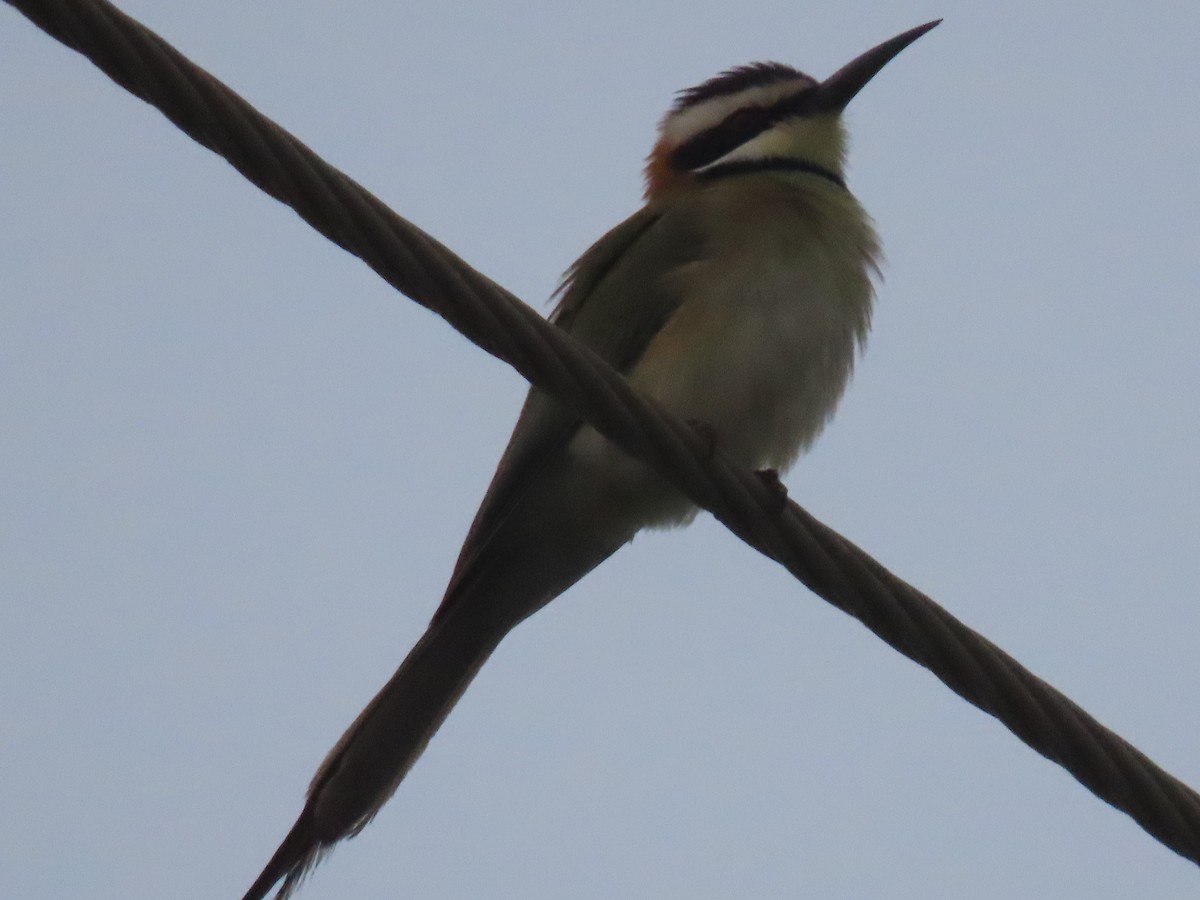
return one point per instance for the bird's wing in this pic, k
(614, 299)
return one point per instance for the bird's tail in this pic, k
(368, 762)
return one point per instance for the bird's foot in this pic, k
(770, 478)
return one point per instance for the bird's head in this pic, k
(760, 116)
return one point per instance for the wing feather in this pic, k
(614, 299)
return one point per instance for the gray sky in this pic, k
(235, 467)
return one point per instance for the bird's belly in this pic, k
(763, 369)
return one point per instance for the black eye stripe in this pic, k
(746, 118)
(736, 129)
(715, 142)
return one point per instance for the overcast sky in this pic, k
(235, 467)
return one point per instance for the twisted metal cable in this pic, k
(429, 273)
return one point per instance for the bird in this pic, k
(738, 298)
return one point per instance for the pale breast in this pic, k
(763, 346)
(763, 343)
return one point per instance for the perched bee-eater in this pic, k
(737, 298)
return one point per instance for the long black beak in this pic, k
(839, 88)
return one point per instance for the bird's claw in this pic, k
(770, 479)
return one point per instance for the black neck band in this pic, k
(769, 164)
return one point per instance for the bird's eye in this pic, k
(745, 118)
